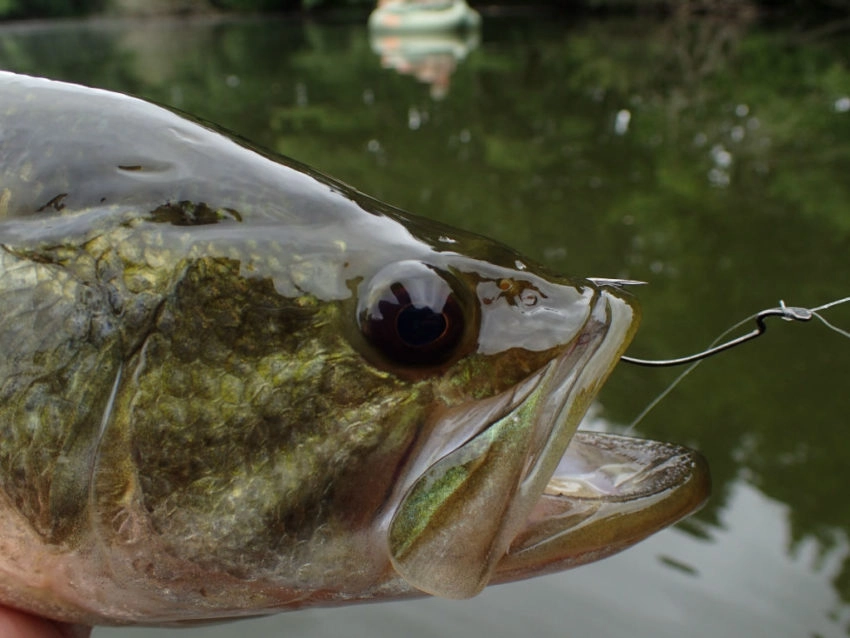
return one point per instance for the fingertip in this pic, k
(19, 624)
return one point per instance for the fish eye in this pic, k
(412, 315)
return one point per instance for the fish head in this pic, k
(413, 427)
(412, 431)
(510, 360)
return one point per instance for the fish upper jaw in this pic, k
(461, 512)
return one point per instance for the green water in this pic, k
(708, 157)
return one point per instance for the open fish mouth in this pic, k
(524, 494)
(608, 493)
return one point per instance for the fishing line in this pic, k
(840, 331)
(788, 313)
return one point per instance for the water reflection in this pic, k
(426, 40)
(430, 58)
(743, 577)
(725, 187)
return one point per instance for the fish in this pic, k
(231, 385)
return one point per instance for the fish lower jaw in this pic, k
(608, 493)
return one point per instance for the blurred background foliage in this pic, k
(17, 9)
(49, 8)
(706, 151)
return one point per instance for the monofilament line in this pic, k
(685, 373)
(789, 313)
(815, 313)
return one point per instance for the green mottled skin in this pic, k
(204, 352)
(191, 423)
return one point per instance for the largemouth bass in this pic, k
(230, 385)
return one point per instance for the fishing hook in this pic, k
(789, 313)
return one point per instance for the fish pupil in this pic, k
(419, 327)
(412, 316)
